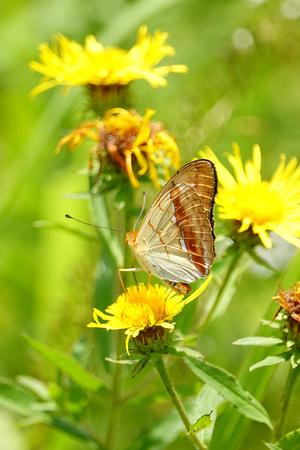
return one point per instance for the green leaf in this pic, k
(140, 366)
(74, 430)
(295, 359)
(260, 341)
(184, 351)
(109, 237)
(271, 446)
(229, 387)
(271, 360)
(201, 424)
(208, 399)
(67, 364)
(38, 387)
(15, 398)
(259, 260)
(290, 442)
(123, 361)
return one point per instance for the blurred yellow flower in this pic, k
(141, 309)
(130, 142)
(67, 63)
(257, 204)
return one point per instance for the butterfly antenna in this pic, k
(134, 275)
(142, 210)
(92, 225)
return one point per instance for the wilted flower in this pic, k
(144, 312)
(259, 205)
(69, 64)
(130, 142)
(290, 301)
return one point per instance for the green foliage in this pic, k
(53, 274)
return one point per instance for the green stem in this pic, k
(162, 370)
(116, 397)
(283, 408)
(117, 375)
(233, 263)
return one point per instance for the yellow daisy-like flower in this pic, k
(141, 309)
(67, 63)
(130, 142)
(257, 204)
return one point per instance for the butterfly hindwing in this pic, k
(176, 239)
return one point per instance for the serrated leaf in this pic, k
(290, 442)
(271, 360)
(229, 387)
(67, 364)
(15, 398)
(260, 341)
(202, 423)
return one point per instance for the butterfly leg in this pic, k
(133, 269)
(149, 280)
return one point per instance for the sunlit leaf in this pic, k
(15, 398)
(67, 364)
(260, 341)
(229, 387)
(271, 360)
(290, 442)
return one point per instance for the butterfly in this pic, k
(176, 240)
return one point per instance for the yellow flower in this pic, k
(141, 309)
(260, 205)
(130, 142)
(67, 63)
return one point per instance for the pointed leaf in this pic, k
(140, 366)
(271, 360)
(229, 387)
(123, 361)
(259, 341)
(67, 364)
(290, 442)
(15, 398)
(109, 237)
(184, 351)
(272, 446)
(74, 430)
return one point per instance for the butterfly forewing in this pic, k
(176, 238)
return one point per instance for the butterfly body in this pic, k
(176, 239)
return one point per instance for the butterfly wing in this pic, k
(176, 238)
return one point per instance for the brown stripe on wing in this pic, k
(183, 205)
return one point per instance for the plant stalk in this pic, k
(233, 263)
(283, 408)
(162, 370)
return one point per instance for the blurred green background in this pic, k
(243, 86)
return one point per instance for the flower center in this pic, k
(258, 203)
